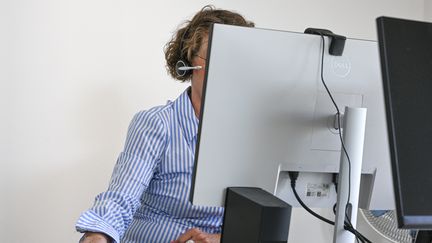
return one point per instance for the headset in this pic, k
(183, 67)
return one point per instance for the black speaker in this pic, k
(424, 236)
(253, 215)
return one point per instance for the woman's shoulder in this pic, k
(159, 114)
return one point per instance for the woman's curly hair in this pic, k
(192, 33)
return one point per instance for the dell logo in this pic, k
(340, 66)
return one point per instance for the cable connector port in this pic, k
(293, 176)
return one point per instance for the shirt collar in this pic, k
(186, 115)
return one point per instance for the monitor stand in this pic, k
(354, 122)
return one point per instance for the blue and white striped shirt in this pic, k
(148, 196)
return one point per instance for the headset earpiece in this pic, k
(179, 65)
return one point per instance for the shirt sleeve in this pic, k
(113, 210)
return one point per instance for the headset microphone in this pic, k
(182, 68)
(190, 68)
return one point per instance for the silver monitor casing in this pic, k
(265, 112)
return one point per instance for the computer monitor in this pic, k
(406, 59)
(266, 112)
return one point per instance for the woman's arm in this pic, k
(113, 210)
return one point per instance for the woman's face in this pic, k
(198, 75)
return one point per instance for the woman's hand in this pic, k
(198, 237)
(95, 237)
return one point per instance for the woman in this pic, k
(147, 198)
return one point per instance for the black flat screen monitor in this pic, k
(406, 62)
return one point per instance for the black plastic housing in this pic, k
(253, 215)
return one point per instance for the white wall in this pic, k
(72, 74)
(428, 10)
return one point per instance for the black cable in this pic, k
(357, 234)
(361, 236)
(348, 222)
(294, 175)
(339, 120)
(338, 117)
(335, 177)
(293, 184)
(347, 225)
(334, 211)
